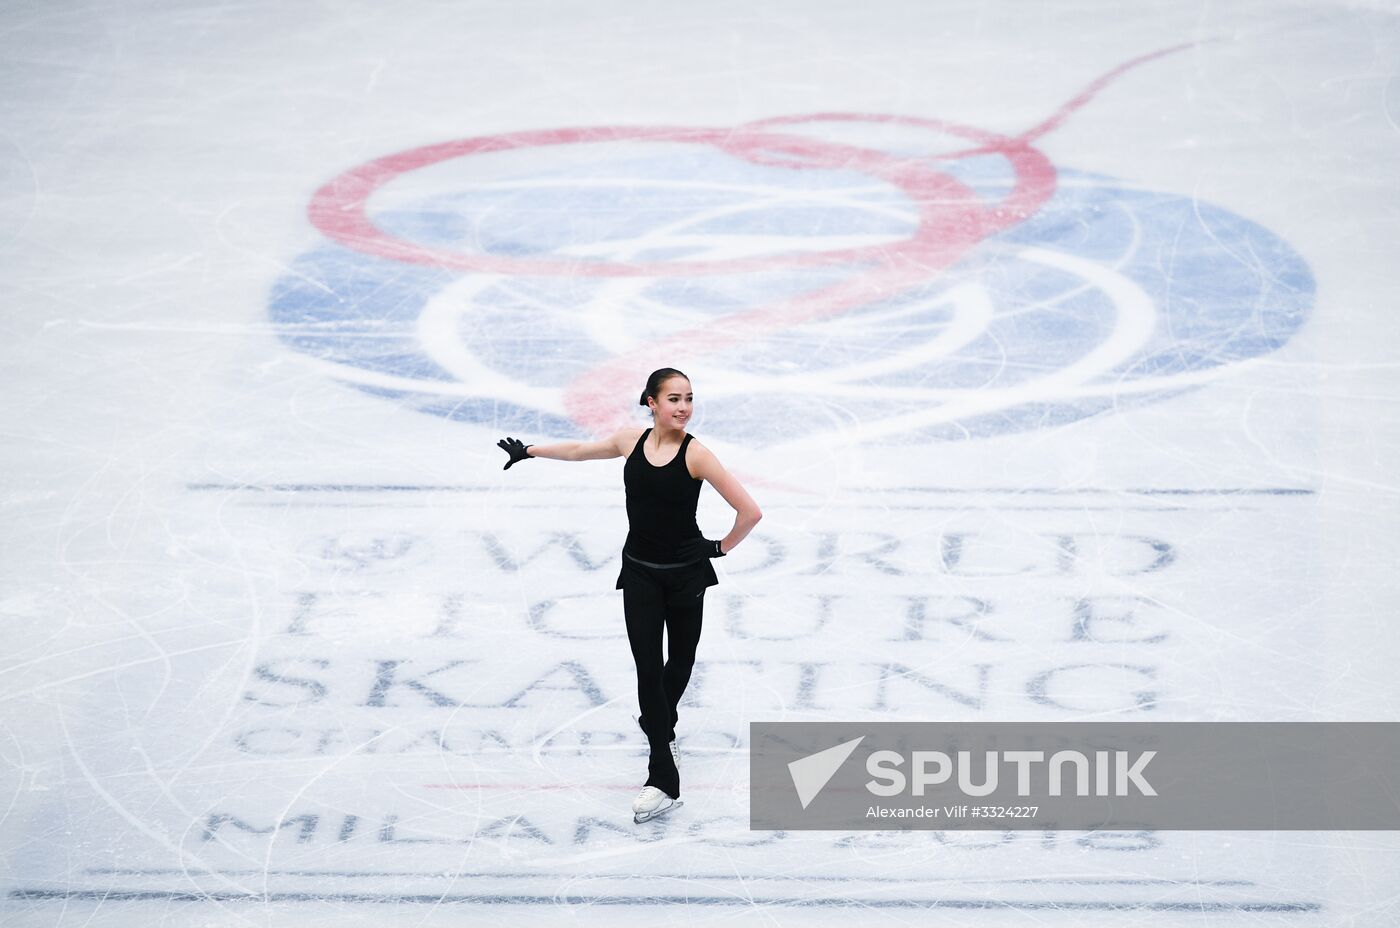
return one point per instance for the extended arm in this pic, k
(578, 450)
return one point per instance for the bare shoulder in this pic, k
(625, 439)
(700, 461)
(704, 465)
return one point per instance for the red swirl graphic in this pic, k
(951, 220)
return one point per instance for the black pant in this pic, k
(653, 597)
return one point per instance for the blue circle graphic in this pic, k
(1108, 297)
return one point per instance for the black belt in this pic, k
(662, 566)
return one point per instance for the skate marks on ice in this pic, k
(436, 710)
(860, 263)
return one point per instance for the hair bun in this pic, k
(657, 378)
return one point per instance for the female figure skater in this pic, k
(665, 559)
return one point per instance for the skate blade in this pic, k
(640, 817)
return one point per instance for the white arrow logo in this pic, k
(811, 773)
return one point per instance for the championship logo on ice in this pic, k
(892, 277)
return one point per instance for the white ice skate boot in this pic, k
(650, 803)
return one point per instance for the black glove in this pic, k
(697, 549)
(515, 449)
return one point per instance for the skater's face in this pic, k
(671, 405)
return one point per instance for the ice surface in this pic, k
(1063, 372)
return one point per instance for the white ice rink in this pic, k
(1057, 342)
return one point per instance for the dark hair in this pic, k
(654, 382)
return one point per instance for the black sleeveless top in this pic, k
(661, 504)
